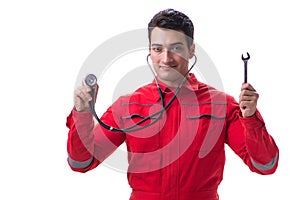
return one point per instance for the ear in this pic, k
(192, 51)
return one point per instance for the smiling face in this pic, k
(170, 55)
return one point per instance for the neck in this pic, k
(175, 83)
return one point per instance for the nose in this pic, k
(167, 56)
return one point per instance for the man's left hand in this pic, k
(248, 100)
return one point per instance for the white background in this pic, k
(44, 43)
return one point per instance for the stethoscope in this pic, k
(91, 80)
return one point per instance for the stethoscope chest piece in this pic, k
(91, 80)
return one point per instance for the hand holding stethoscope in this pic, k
(83, 95)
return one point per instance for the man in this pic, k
(178, 152)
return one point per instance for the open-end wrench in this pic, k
(245, 66)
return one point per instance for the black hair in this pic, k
(175, 20)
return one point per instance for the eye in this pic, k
(157, 49)
(176, 49)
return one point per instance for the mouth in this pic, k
(167, 67)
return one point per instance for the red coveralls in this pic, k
(181, 156)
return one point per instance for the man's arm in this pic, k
(247, 134)
(80, 144)
(89, 145)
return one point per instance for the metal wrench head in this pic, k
(247, 58)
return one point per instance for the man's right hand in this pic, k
(82, 97)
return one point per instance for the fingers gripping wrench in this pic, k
(245, 66)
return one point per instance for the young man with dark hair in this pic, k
(178, 154)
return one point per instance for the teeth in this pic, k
(165, 67)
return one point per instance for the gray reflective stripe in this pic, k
(80, 164)
(267, 166)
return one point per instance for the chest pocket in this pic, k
(147, 125)
(209, 118)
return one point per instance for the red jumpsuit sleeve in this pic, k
(89, 145)
(250, 140)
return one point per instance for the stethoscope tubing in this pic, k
(91, 80)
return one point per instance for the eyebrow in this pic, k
(172, 44)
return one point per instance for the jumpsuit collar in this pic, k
(192, 84)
